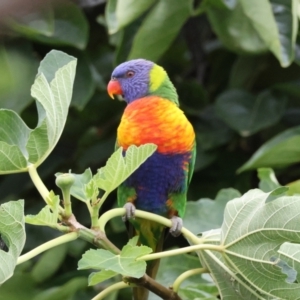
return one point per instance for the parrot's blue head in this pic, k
(139, 78)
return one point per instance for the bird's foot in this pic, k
(130, 212)
(176, 227)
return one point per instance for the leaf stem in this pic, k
(94, 211)
(67, 202)
(188, 249)
(114, 287)
(48, 245)
(40, 186)
(186, 275)
(37, 181)
(145, 215)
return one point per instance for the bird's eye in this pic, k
(129, 74)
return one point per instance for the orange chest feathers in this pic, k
(156, 120)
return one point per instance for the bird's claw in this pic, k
(129, 212)
(176, 227)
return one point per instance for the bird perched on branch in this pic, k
(160, 184)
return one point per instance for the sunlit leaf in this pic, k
(248, 223)
(78, 187)
(125, 263)
(119, 167)
(12, 230)
(21, 146)
(48, 216)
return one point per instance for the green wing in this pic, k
(179, 198)
(192, 162)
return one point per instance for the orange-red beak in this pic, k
(114, 88)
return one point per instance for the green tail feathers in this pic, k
(151, 234)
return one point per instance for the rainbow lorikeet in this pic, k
(160, 184)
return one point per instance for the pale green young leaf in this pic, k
(48, 216)
(125, 263)
(53, 101)
(14, 134)
(21, 146)
(11, 159)
(91, 190)
(78, 187)
(252, 232)
(97, 277)
(12, 230)
(119, 167)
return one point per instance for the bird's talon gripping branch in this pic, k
(130, 211)
(176, 227)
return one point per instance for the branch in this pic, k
(96, 237)
(40, 186)
(117, 212)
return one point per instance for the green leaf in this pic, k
(129, 10)
(285, 14)
(63, 292)
(15, 85)
(78, 187)
(62, 24)
(84, 84)
(12, 230)
(234, 27)
(162, 24)
(252, 232)
(245, 114)
(230, 285)
(294, 188)
(255, 26)
(53, 99)
(206, 214)
(125, 263)
(97, 277)
(38, 22)
(110, 16)
(211, 131)
(21, 146)
(49, 263)
(291, 253)
(268, 181)
(48, 216)
(118, 168)
(271, 155)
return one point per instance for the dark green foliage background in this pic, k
(236, 89)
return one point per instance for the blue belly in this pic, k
(159, 176)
